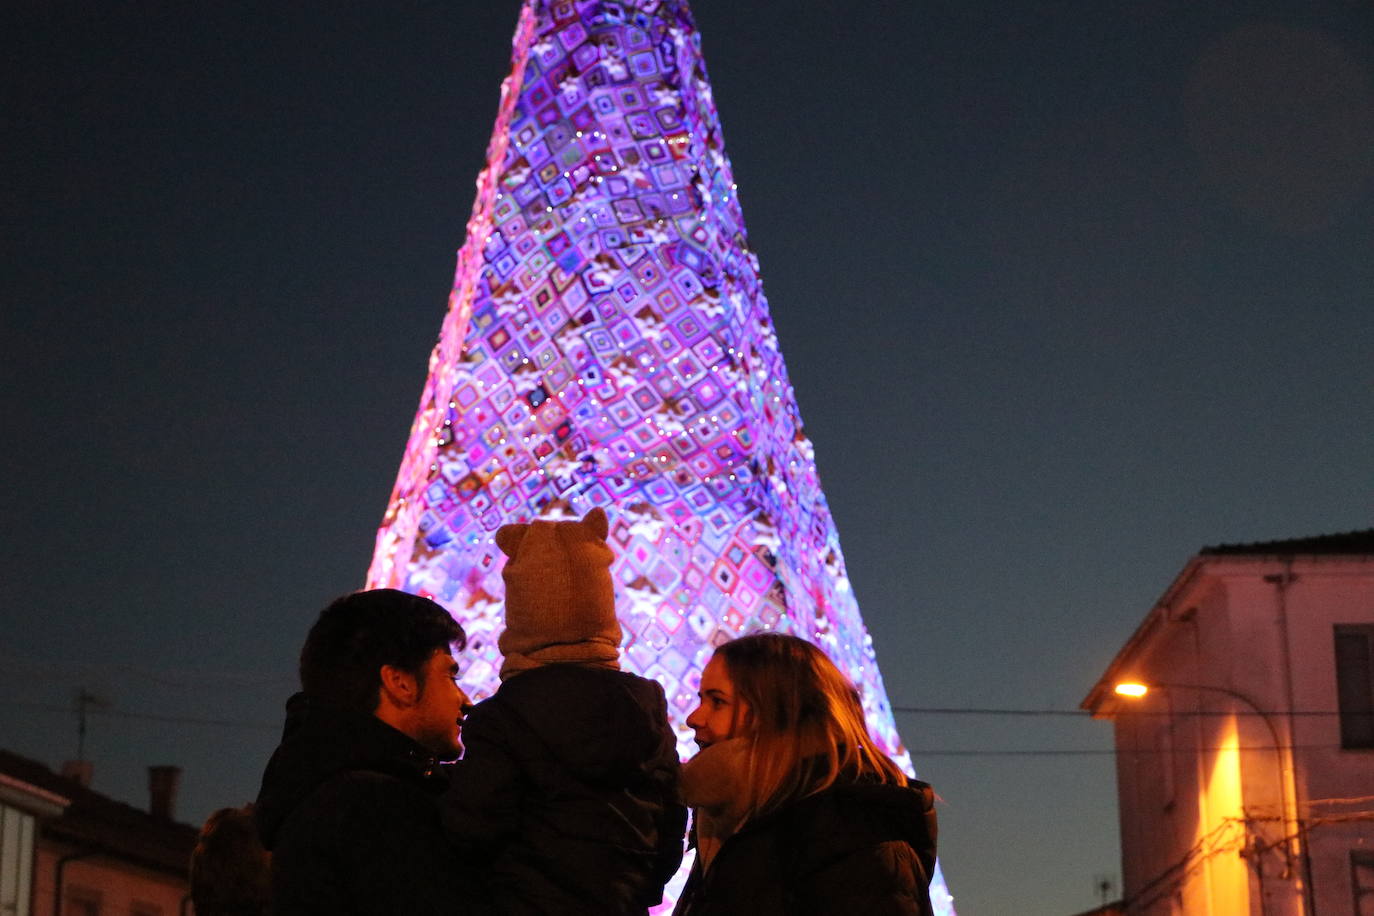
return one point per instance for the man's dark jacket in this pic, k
(349, 810)
(566, 795)
(859, 848)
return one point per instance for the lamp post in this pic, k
(1136, 689)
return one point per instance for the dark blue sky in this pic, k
(1066, 291)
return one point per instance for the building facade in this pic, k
(66, 850)
(1245, 757)
(23, 805)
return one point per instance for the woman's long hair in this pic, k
(805, 722)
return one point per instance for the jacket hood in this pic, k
(321, 740)
(906, 813)
(607, 728)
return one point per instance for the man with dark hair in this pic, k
(349, 800)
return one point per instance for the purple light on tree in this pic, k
(608, 343)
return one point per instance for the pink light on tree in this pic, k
(608, 343)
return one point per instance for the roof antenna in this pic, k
(85, 700)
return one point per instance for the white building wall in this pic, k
(1198, 771)
(1327, 592)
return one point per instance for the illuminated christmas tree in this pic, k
(608, 343)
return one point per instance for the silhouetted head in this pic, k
(230, 871)
(357, 634)
(802, 717)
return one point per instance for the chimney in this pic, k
(79, 771)
(162, 791)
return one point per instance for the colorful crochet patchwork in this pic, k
(608, 343)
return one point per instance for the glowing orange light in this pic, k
(1130, 689)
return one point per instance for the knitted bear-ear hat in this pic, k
(560, 603)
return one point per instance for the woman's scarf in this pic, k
(715, 783)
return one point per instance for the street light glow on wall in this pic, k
(1290, 844)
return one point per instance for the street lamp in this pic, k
(1137, 689)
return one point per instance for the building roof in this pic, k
(24, 795)
(101, 824)
(1351, 542)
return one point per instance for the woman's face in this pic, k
(720, 714)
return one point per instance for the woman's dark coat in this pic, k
(851, 849)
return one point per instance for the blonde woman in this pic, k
(796, 810)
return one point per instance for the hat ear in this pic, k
(596, 522)
(508, 538)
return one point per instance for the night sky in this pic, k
(1066, 291)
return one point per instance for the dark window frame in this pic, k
(1354, 656)
(1361, 863)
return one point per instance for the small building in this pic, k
(1245, 757)
(67, 850)
(23, 804)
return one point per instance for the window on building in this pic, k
(16, 861)
(1355, 684)
(1362, 880)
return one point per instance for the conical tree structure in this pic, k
(608, 343)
